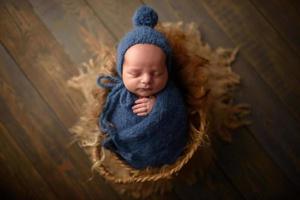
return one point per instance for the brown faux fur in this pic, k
(207, 82)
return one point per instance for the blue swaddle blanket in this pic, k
(158, 138)
(150, 141)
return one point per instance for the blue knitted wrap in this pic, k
(149, 141)
(143, 141)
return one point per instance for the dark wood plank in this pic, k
(46, 65)
(261, 46)
(41, 58)
(284, 18)
(25, 116)
(246, 157)
(115, 14)
(69, 21)
(267, 126)
(277, 66)
(166, 13)
(296, 5)
(178, 11)
(214, 185)
(16, 171)
(44, 139)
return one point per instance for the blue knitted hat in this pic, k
(144, 21)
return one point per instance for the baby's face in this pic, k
(144, 70)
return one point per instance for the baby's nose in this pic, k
(146, 79)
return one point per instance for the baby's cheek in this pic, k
(160, 84)
(133, 82)
(131, 85)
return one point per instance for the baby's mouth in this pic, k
(146, 89)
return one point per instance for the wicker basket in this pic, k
(205, 77)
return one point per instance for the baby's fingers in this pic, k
(140, 110)
(142, 114)
(140, 105)
(141, 100)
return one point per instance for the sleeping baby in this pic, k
(144, 117)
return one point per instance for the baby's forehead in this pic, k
(145, 67)
(144, 57)
(144, 50)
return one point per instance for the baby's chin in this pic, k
(144, 93)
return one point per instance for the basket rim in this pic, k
(197, 137)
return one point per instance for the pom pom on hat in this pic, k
(144, 20)
(145, 16)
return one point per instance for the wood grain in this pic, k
(43, 138)
(250, 170)
(33, 131)
(69, 21)
(284, 18)
(214, 185)
(265, 50)
(278, 71)
(40, 57)
(116, 14)
(16, 170)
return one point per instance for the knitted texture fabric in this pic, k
(149, 141)
(158, 138)
(144, 19)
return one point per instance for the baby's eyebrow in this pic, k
(134, 69)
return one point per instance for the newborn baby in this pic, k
(144, 74)
(144, 117)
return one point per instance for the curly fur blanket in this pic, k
(208, 81)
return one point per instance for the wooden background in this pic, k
(42, 46)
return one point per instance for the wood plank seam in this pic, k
(100, 20)
(297, 54)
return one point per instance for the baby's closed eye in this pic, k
(134, 73)
(157, 73)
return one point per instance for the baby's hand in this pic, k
(143, 105)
